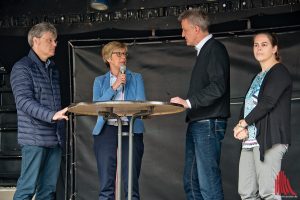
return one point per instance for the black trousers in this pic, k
(105, 148)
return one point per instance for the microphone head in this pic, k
(122, 69)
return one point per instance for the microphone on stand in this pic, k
(123, 71)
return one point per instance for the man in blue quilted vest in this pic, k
(35, 85)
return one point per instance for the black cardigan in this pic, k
(273, 111)
(209, 91)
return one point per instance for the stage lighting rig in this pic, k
(210, 6)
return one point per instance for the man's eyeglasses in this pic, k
(119, 54)
(49, 40)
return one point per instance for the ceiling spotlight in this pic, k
(99, 4)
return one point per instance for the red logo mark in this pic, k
(283, 186)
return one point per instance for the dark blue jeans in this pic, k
(105, 148)
(202, 175)
(39, 172)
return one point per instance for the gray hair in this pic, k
(196, 17)
(38, 30)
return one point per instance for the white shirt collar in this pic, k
(113, 78)
(199, 46)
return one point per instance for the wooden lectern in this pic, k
(118, 109)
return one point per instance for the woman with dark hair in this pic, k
(264, 127)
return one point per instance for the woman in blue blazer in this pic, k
(115, 85)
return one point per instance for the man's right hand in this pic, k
(179, 100)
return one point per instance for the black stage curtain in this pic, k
(166, 67)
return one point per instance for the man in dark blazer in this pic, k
(208, 108)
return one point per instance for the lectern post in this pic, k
(119, 159)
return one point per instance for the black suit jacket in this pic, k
(209, 91)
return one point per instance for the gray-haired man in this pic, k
(35, 84)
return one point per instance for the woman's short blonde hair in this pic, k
(108, 49)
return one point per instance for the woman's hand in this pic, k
(241, 134)
(121, 79)
(240, 131)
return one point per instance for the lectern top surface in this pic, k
(125, 108)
